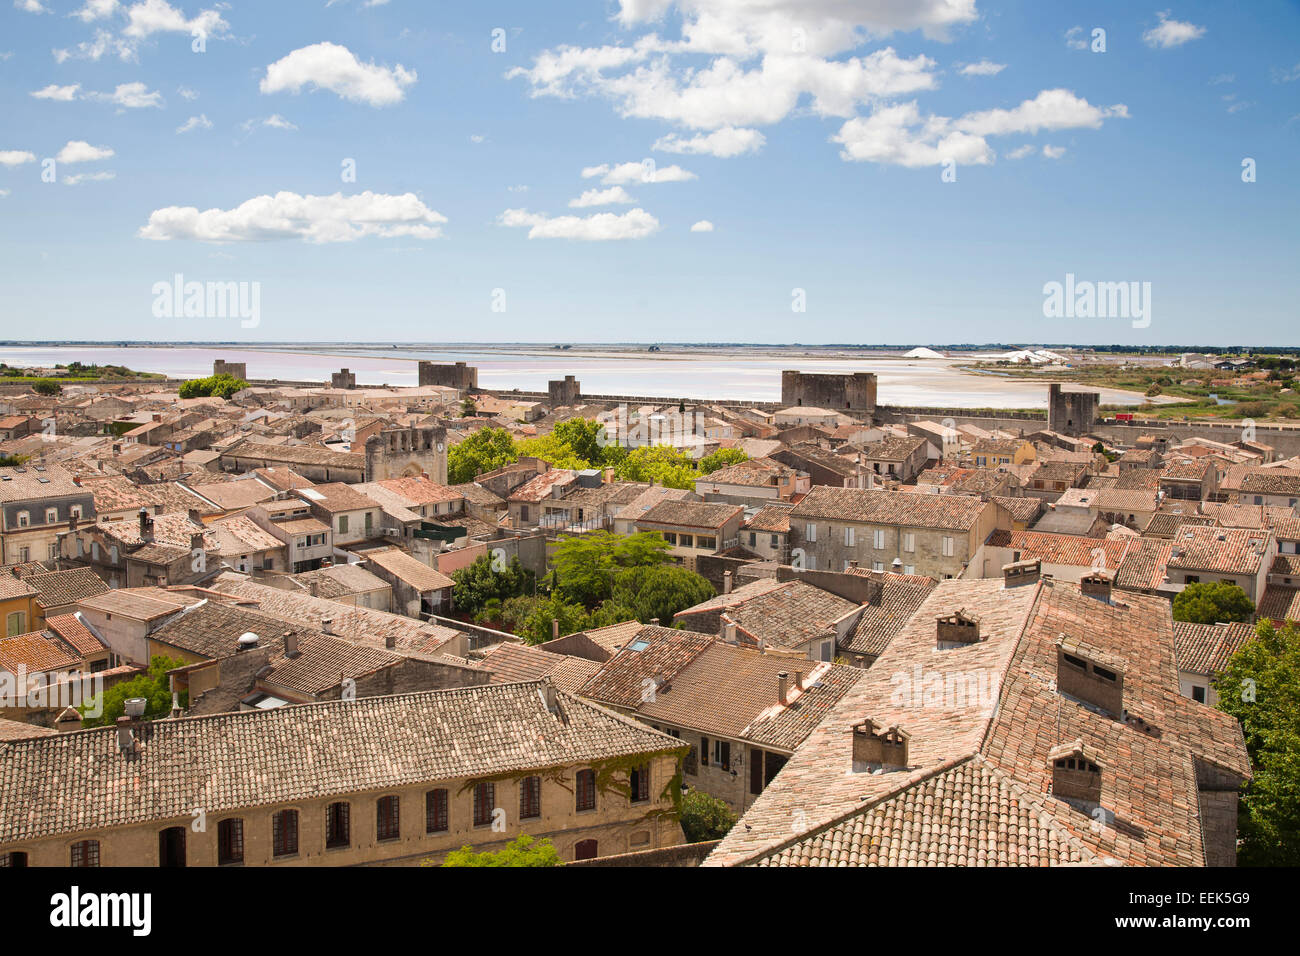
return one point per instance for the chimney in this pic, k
(1091, 676)
(853, 564)
(327, 625)
(728, 630)
(68, 720)
(76, 480)
(550, 697)
(196, 540)
(957, 628)
(390, 641)
(1097, 585)
(125, 735)
(1021, 572)
(654, 621)
(555, 628)
(291, 644)
(144, 522)
(176, 705)
(782, 679)
(1076, 773)
(876, 747)
(798, 680)
(726, 582)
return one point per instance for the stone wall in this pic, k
(854, 392)
(459, 376)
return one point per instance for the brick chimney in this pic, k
(1021, 572)
(726, 582)
(1076, 773)
(782, 680)
(1090, 675)
(1096, 585)
(875, 746)
(291, 644)
(955, 629)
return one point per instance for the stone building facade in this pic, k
(460, 376)
(854, 393)
(1071, 413)
(407, 453)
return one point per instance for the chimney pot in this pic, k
(290, 644)
(726, 582)
(555, 628)
(390, 641)
(1021, 572)
(781, 680)
(654, 621)
(125, 735)
(327, 625)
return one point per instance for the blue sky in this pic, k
(812, 135)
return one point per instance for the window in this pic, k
(435, 811)
(691, 764)
(639, 783)
(848, 536)
(945, 546)
(585, 850)
(85, 853)
(370, 520)
(343, 524)
(484, 798)
(753, 540)
(388, 818)
(230, 841)
(877, 565)
(722, 754)
(878, 539)
(523, 512)
(586, 790)
(54, 552)
(16, 623)
(284, 833)
(776, 542)
(1198, 694)
(810, 531)
(685, 541)
(909, 569)
(24, 519)
(705, 541)
(530, 798)
(338, 825)
(51, 515)
(704, 751)
(670, 538)
(75, 511)
(909, 541)
(828, 650)
(14, 860)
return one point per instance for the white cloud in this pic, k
(76, 179)
(16, 157)
(1053, 152)
(195, 122)
(287, 215)
(602, 197)
(1020, 152)
(186, 93)
(79, 151)
(96, 10)
(702, 226)
(335, 68)
(64, 94)
(103, 42)
(1222, 78)
(130, 96)
(1171, 33)
(598, 227)
(276, 121)
(900, 135)
(983, 68)
(517, 189)
(1075, 39)
(1286, 76)
(724, 143)
(475, 138)
(31, 6)
(643, 172)
(3, 193)
(158, 16)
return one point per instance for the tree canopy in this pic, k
(523, 850)
(220, 386)
(705, 817)
(485, 450)
(1260, 686)
(1212, 602)
(151, 685)
(480, 583)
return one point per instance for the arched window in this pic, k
(436, 816)
(230, 841)
(85, 853)
(338, 825)
(586, 790)
(387, 818)
(284, 833)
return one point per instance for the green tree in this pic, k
(721, 459)
(1260, 686)
(660, 592)
(538, 627)
(468, 407)
(479, 583)
(521, 851)
(485, 450)
(220, 386)
(152, 685)
(705, 817)
(47, 387)
(586, 565)
(1212, 602)
(585, 437)
(661, 464)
